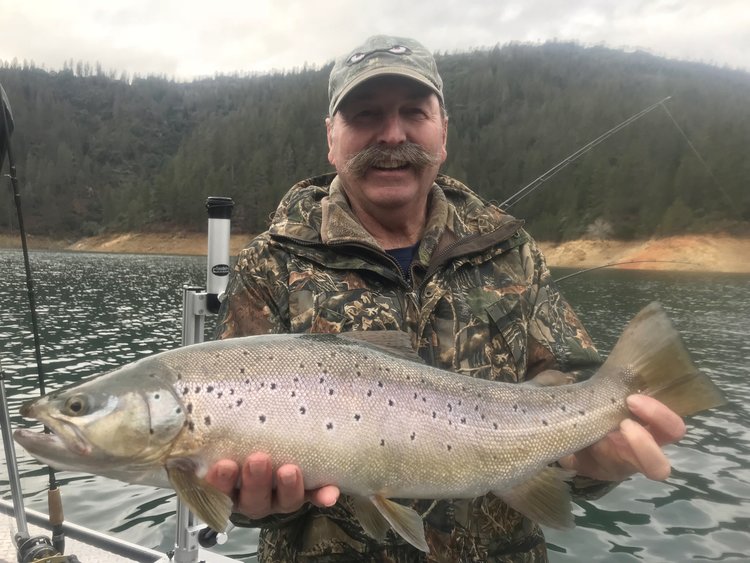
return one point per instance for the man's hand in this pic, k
(634, 448)
(257, 497)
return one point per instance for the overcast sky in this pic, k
(184, 39)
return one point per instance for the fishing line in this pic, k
(611, 264)
(701, 160)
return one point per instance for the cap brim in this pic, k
(384, 71)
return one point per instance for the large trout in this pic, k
(357, 410)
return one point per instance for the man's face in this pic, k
(390, 113)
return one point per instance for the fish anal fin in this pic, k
(404, 521)
(370, 518)
(544, 498)
(209, 504)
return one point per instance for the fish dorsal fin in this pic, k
(545, 498)
(404, 520)
(394, 342)
(551, 378)
(208, 503)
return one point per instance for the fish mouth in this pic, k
(63, 438)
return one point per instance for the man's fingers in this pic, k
(648, 456)
(256, 494)
(223, 475)
(665, 425)
(290, 489)
(324, 496)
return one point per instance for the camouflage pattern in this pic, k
(479, 301)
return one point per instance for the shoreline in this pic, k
(696, 253)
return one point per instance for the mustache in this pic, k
(382, 155)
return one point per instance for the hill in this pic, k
(99, 153)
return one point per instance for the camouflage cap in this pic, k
(382, 55)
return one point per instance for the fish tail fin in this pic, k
(651, 347)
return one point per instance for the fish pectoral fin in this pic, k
(404, 520)
(545, 498)
(370, 518)
(208, 503)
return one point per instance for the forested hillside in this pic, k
(99, 152)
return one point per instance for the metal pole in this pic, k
(10, 460)
(196, 304)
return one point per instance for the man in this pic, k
(387, 243)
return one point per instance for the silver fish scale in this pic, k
(370, 422)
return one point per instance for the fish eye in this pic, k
(77, 405)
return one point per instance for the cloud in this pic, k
(191, 38)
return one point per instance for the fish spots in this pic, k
(239, 402)
(185, 391)
(463, 420)
(197, 388)
(382, 442)
(190, 408)
(303, 410)
(449, 447)
(273, 386)
(178, 410)
(494, 425)
(151, 431)
(191, 426)
(329, 426)
(563, 408)
(357, 417)
(415, 396)
(330, 392)
(380, 384)
(296, 379)
(293, 394)
(207, 421)
(613, 400)
(434, 414)
(450, 407)
(322, 380)
(247, 381)
(359, 373)
(582, 412)
(210, 389)
(262, 419)
(369, 392)
(413, 436)
(391, 402)
(424, 399)
(515, 408)
(545, 422)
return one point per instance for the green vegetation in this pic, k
(96, 152)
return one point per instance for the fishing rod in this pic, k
(535, 184)
(27, 546)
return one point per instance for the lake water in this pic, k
(99, 311)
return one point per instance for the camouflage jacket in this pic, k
(479, 300)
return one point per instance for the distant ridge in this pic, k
(97, 152)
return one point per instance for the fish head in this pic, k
(126, 418)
